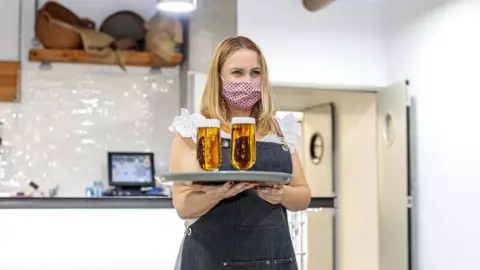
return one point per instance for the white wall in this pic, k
(197, 81)
(344, 44)
(436, 45)
(212, 21)
(9, 28)
(54, 239)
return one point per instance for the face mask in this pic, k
(242, 96)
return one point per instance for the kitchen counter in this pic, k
(114, 203)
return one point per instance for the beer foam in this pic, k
(243, 120)
(207, 123)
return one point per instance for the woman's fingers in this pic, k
(207, 188)
(273, 195)
(272, 191)
(224, 191)
(201, 187)
(225, 188)
(238, 188)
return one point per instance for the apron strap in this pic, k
(280, 134)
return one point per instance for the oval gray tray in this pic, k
(223, 176)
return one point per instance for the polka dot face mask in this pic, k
(242, 96)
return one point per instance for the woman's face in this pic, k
(242, 65)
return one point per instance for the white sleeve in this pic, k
(291, 129)
(184, 124)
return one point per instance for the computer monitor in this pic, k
(131, 170)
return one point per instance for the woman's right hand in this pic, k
(227, 190)
(190, 199)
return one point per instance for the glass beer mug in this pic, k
(209, 151)
(243, 151)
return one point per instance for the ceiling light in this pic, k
(177, 5)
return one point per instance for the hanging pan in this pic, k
(127, 29)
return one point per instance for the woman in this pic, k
(239, 226)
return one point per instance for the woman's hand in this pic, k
(227, 190)
(273, 194)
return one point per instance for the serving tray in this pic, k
(269, 178)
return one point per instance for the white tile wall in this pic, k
(70, 116)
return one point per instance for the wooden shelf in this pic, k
(9, 78)
(133, 58)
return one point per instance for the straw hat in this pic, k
(164, 33)
(97, 44)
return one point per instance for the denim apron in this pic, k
(243, 232)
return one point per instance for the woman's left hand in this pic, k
(273, 194)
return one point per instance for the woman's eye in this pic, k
(236, 72)
(256, 73)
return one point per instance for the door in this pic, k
(318, 137)
(393, 176)
(318, 144)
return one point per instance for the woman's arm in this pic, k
(187, 202)
(297, 194)
(194, 200)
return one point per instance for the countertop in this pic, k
(114, 203)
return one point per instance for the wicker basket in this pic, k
(54, 36)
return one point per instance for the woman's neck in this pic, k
(236, 113)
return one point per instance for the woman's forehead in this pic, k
(242, 59)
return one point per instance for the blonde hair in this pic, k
(213, 105)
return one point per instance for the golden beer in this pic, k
(209, 152)
(244, 148)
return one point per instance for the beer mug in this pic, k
(209, 151)
(244, 148)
